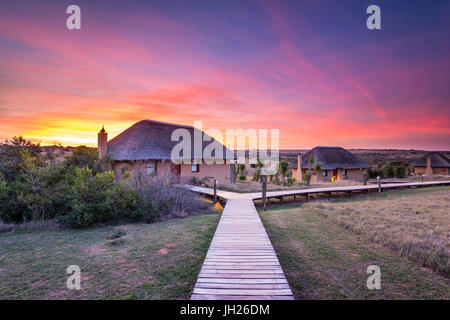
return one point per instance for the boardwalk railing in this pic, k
(241, 262)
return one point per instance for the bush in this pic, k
(199, 182)
(100, 198)
(290, 181)
(11, 156)
(242, 177)
(306, 176)
(30, 196)
(81, 190)
(84, 157)
(6, 227)
(400, 172)
(163, 201)
(276, 180)
(388, 171)
(374, 173)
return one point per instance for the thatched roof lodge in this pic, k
(432, 163)
(146, 148)
(336, 164)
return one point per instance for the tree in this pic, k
(257, 174)
(240, 170)
(311, 164)
(11, 156)
(283, 169)
(400, 171)
(318, 166)
(84, 157)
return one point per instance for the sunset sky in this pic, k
(308, 68)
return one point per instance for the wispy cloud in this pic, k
(252, 65)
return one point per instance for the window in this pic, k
(151, 168)
(195, 168)
(324, 173)
(344, 172)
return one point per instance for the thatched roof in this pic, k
(332, 158)
(151, 140)
(438, 160)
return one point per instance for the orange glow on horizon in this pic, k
(254, 72)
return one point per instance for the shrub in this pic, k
(163, 201)
(29, 196)
(242, 177)
(87, 157)
(277, 180)
(11, 156)
(5, 227)
(388, 171)
(100, 198)
(200, 182)
(290, 181)
(400, 172)
(195, 181)
(306, 176)
(374, 173)
(81, 190)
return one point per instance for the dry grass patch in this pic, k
(323, 260)
(415, 223)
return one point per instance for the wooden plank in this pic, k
(242, 285)
(247, 281)
(241, 264)
(205, 271)
(238, 297)
(242, 276)
(244, 292)
(271, 266)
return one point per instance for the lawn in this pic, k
(325, 247)
(133, 261)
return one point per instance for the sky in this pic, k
(311, 69)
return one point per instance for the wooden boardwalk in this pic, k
(241, 263)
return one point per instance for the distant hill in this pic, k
(375, 156)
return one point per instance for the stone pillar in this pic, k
(102, 142)
(428, 170)
(299, 175)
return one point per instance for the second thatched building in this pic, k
(329, 164)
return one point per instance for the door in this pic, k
(175, 172)
(335, 175)
(232, 173)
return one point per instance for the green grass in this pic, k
(325, 260)
(134, 261)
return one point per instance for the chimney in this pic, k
(428, 170)
(102, 143)
(299, 175)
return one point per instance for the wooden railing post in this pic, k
(264, 190)
(215, 190)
